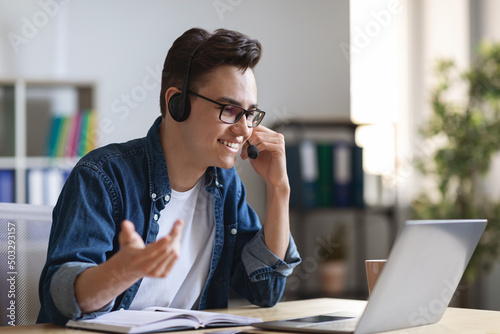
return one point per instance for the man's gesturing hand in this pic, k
(97, 286)
(153, 260)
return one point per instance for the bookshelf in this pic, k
(28, 109)
(317, 213)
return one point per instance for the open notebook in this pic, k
(154, 319)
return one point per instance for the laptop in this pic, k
(415, 286)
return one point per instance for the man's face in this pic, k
(211, 142)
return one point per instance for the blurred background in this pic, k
(355, 86)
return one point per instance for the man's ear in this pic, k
(168, 95)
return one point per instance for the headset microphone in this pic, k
(252, 151)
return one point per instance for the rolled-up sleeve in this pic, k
(259, 261)
(62, 290)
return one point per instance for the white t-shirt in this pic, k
(184, 284)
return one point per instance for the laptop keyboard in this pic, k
(338, 325)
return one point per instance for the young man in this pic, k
(163, 220)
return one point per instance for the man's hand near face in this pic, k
(97, 286)
(271, 163)
(271, 166)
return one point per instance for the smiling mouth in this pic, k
(229, 144)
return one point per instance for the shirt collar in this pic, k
(159, 183)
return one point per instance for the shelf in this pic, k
(318, 122)
(384, 210)
(325, 167)
(8, 163)
(29, 108)
(37, 162)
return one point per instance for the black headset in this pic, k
(179, 105)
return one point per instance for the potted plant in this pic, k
(332, 271)
(466, 131)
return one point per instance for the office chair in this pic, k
(24, 236)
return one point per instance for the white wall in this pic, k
(438, 30)
(121, 45)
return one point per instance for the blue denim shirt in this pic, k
(130, 181)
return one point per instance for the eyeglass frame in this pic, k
(224, 105)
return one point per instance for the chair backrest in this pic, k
(24, 235)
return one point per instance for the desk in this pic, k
(455, 320)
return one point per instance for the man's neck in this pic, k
(182, 173)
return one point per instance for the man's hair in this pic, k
(223, 47)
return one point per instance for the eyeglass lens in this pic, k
(232, 114)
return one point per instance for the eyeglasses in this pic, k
(230, 114)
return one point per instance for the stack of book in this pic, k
(325, 174)
(70, 136)
(7, 185)
(43, 185)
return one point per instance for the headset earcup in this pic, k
(187, 109)
(179, 112)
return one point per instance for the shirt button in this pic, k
(155, 217)
(167, 198)
(153, 195)
(233, 231)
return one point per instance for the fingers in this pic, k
(260, 135)
(164, 263)
(128, 229)
(160, 259)
(128, 236)
(163, 254)
(176, 231)
(266, 140)
(264, 135)
(244, 154)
